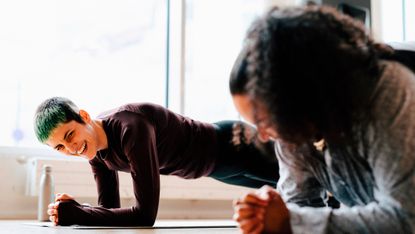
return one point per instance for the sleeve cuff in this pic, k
(68, 211)
(308, 219)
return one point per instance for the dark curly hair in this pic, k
(312, 68)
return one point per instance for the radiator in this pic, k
(74, 176)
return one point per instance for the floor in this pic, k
(170, 226)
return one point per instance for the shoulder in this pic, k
(392, 102)
(392, 118)
(129, 121)
(395, 86)
(133, 108)
(397, 71)
(132, 112)
(141, 107)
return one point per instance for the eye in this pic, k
(59, 147)
(70, 135)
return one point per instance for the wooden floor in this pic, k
(177, 226)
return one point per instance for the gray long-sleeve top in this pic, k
(373, 178)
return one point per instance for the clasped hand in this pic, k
(53, 207)
(262, 211)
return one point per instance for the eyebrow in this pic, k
(66, 135)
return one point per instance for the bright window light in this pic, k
(214, 34)
(99, 53)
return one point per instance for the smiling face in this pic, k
(76, 139)
(257, 116)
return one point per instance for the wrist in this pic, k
(68, 211)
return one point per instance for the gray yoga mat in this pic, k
(159, 224)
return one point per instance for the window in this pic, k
(398, 20)
(104, 53)
(214, 35)
(99, 53)
(409, 19)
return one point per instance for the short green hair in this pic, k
(53, 112)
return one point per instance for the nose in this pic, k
(71, 148)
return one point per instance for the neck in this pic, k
(101, 135)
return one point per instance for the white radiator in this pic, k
(74, 176)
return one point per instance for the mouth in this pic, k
(82, 149)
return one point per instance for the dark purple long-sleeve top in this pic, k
(145, 140)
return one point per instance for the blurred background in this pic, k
(105, 53)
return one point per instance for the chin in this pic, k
(89, 157)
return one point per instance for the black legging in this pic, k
(244, 160)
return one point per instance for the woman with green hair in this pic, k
(147, 140)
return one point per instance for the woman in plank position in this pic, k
(147, 140)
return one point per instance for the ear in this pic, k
(85, 116)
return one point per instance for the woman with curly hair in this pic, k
(343, 120)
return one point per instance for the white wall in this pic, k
(283, 3)
(15, 204)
